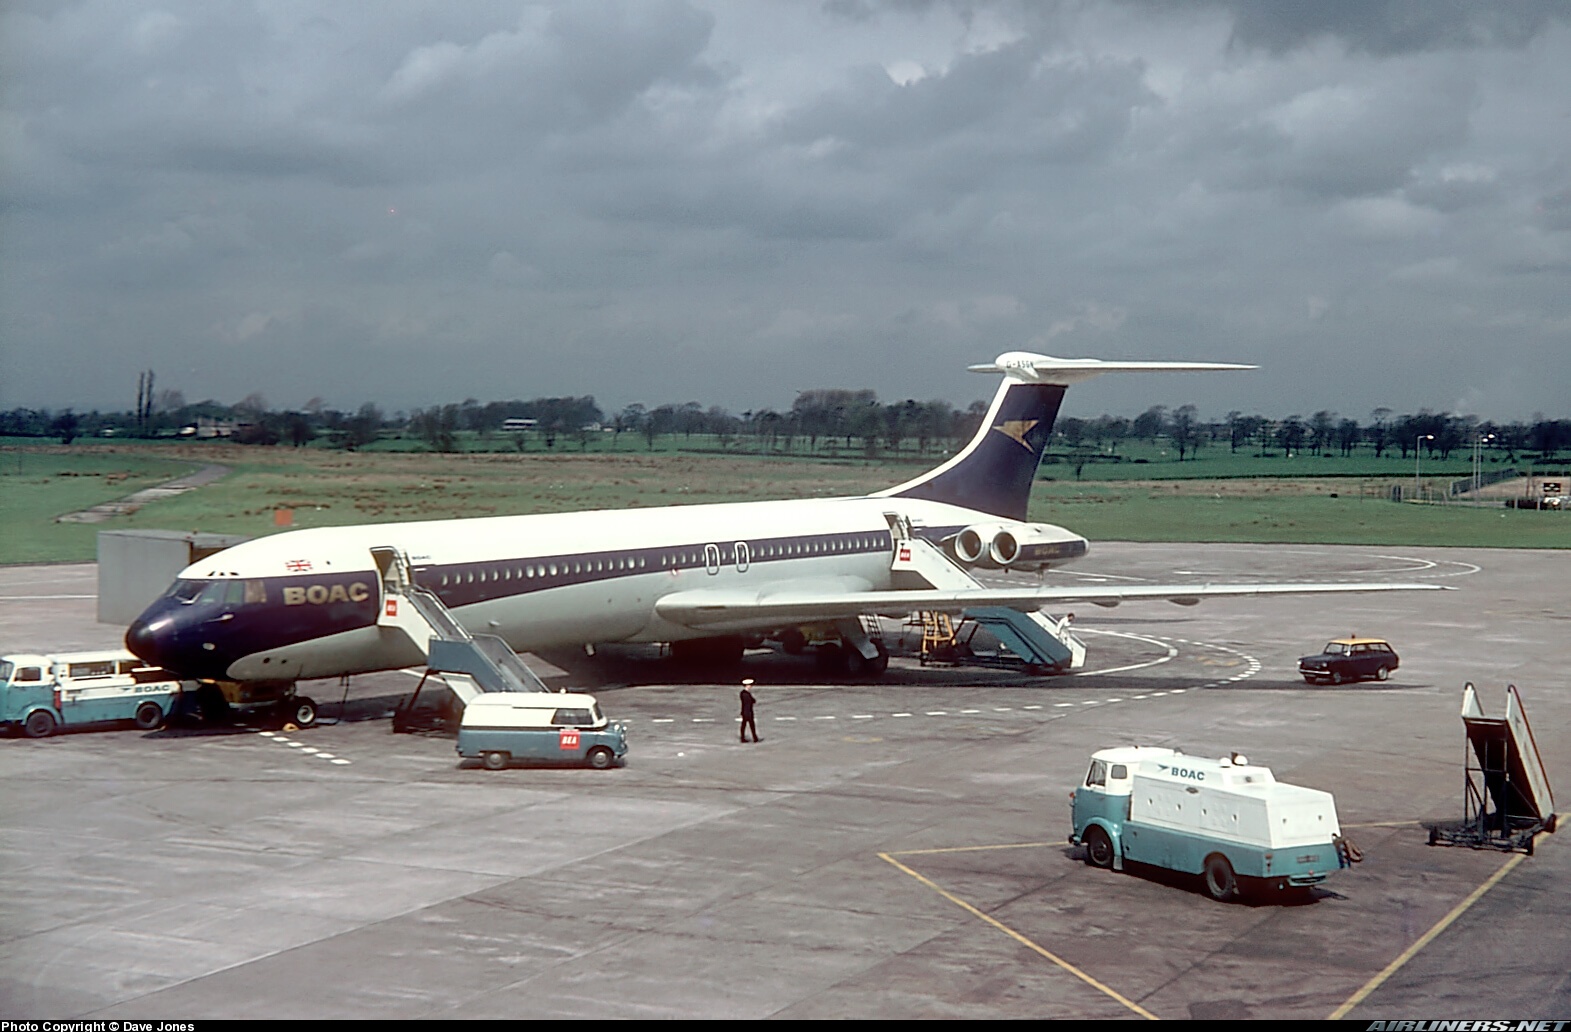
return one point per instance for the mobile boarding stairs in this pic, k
(1035, 641)
(468, 664)
(1506, 799)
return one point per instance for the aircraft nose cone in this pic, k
(143, 639)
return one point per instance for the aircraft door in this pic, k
(392, 570)
(712, 559)
(744, 556)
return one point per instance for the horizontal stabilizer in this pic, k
(1033, 368)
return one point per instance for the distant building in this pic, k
(509, 425)
(205, 428)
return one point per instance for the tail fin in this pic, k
(993, 473)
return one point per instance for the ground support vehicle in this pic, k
(43, 693)
(1350, 659)
(224, 701)
(1230, 822)
(501, 728)
(1506, 798)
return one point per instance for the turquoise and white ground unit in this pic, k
(43, 693)
(1226, 819)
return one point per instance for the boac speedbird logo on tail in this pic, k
(1016, 430)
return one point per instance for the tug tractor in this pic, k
(221, 701)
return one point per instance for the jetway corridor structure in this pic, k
(1506, 798)
(468, 664)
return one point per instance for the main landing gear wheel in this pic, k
(301, 712)
(847, 659)
(39, 724)
(494, 760)
(600, 757)
(792, 641)
(1221, 882)
(149, 716)
(1099, 848)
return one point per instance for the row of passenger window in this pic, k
(681, 558)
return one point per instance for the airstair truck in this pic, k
(1227, 820)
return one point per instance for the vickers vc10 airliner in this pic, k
(704, 578)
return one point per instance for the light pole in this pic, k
(1417, 458)
(1478, 464)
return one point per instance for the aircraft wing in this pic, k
(834, 598)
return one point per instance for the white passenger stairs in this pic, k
(918, 563)
(469, 663)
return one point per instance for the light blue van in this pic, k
(501, 728)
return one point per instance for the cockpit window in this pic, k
(187, 590)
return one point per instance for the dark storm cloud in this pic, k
(1393, 26)
(408, 202)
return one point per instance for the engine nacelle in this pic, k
(1017, 546)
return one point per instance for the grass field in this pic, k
(41, 483)
(1221, 502)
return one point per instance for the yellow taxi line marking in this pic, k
(1062, 963)
(1425, 939)
(971, 849)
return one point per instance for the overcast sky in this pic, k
(729, 202)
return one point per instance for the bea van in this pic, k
(500, 728)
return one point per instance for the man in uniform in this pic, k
(747, 710)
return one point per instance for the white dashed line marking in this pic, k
(1252, 666)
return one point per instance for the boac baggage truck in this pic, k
(1226, 820)
(42, 693)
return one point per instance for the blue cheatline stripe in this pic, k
(462, 584)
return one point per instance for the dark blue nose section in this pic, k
(152, 637)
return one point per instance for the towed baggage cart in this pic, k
(1226, 820)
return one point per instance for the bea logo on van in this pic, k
(1184, 772)
(318, 594)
